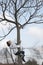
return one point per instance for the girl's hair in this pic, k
(8, 43)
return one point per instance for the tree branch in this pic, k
(8, 32)
(22, 5)
(27, 22)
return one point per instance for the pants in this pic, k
(21, 54)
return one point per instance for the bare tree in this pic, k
(19, 13)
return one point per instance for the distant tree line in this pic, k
(33, 62)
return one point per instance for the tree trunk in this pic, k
(18, 43)
(18, 36)
(18, 33)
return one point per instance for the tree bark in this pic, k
(18, 43)
(18, 36)
(18, 33)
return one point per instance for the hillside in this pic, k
(37, 54)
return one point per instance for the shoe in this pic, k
(23, 59)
